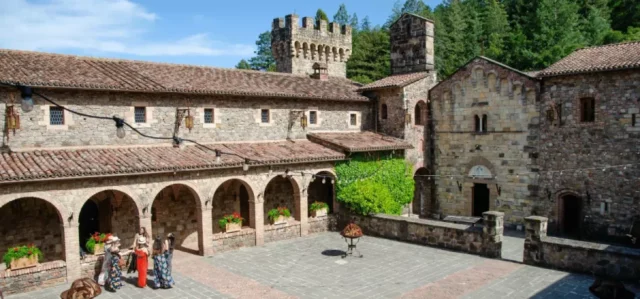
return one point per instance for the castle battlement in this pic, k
(296, 47)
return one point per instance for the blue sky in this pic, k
(214, 32)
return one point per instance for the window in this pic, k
(477, 127)
(56, 116)
(353, 119)
(559, 108)
(418, 115)
(483, 124)
(551, 115)
(587, 110)
(480, 123)
(383, 111)
(208, 115)
(265, 116)
(313, 117)
(140, 114)
(633, 120)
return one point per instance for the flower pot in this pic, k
(24, 262)
(98, 249)
(319, 213)
(280, 220)
(233, 227)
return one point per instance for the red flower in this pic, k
(15, 249)
(30, 252)
(32, 245)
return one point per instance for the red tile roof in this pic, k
(596, 59)
(359, 141)
(395, 81)
(68, 163)
(38, 69)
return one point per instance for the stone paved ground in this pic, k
(309, 268)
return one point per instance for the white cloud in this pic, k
(116, 26)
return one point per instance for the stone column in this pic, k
(302, 210)
(535, 231)
(72, 251)
(205, 231)
(492, 233)
(256, 208)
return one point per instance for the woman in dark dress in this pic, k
(161, 276)
(114, 280)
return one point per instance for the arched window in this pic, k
(383, 111)
(484, 123)
(419, 113)
(477, 127)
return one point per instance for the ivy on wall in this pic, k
(370, 184)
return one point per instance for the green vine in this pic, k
(375, 184)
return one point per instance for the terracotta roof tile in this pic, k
(596, 59)
(68, 163)
(359, 141)
(38, 69)
(395, 81)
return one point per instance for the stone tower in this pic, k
(412, 45)
(296, 49)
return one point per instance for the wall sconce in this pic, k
(304, 121)
(459, 186)
(188, 120)
(407, 117)
(499, 189)
(12, 120)
(27, 98)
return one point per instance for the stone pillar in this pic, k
(256, 208)
(72, 251)
(302, 210)
(535, 231)
(492, 233)
(205, 231)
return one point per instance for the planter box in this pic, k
(233, 227)
(24, 262)
(280, 220)
(98, 249)
(319, 213)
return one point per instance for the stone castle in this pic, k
(489, 137)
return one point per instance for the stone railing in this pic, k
(230, 241)
(578, 256)
(30, 279)
(485, 241)
(322, 224)
(279, 232)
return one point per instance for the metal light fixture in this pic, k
(178, 142)
(245, 166)
(218, 155)
(324, 180)
(499, 189)
(333, 181)
(188, 120)
(13, 119)
(313, 178)
(285, 174)
(27, 98)
(304, 121)
(120, 132)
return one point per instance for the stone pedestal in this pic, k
(72, 251)
(535, 230)
(492, 233)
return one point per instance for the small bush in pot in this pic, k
(30, 253)
(319, 209)
(231, 222)
(279, 215)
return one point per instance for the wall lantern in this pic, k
(188, 121)
(407, 117)
(12, 120)
(245, 166)
(304, 121)
(27, 98)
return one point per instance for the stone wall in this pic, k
(32, 221)
(91, 265)
(578, 256)
(280, 232)
(508, 99)
(486, 241)
(610, 201)
(412, 48)
(236, 118)
(175, 212)
(235, 240)
(31, 279)
(322, 224)
(226, 201)
(279, 193)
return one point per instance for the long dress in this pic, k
(115, 273)
(106, 265)
(161, 276)
(141, 264)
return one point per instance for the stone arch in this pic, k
(305, 50)
(282, 191)
(517, 89)
(298, 49)
(334, 51)
(322, 189)
(492, 80)
(342, 55)
(421, 204)
(33, 220)
(314, 51)
(122, 189)
(420, 113)
(564, 208)
(63, 212)
(177, 208)
(477, 74)
(233, 195)
(480, 161)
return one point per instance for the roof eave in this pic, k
(580, 72)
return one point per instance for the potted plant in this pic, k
(95, 244)
(279, 215)
(319, 209)
(231, 223)
(20, 257)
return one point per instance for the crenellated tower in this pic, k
(296, 49)
(412, 48)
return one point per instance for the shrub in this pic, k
(318, 205)
(96, 238)
(280, 211)
(232, 218)
(18, 252)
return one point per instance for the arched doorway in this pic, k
(280, 192)
(35, 221)
(109, 211)
(232, 196)
(570, 212)
(322, 189)
(421, 194)
(175, 210)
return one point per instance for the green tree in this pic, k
(243, 65)
(595, 27)
(342, 16)
(353, 22)
(366, 24)
(263, 61)
(495, 29)
(473, 34)
(624, 14)
(320, 15)
(370, 59)
(409, 6)
(453, 20)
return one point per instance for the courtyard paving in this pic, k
(311, 267)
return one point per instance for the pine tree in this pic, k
(366, 24)
(495, 29)
(263, 60)
(342, 16)
(353, 22)
(624, 14)
(595, 27)
(557, 33)
(370, 60)
(473, 34)
(456, 26)
(409, 6)
(321, 15)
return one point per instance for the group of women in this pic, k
(161, 251)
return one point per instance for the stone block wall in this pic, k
(412, 45)
(32, 221)
(176, 212)
(279, 193)
(609, 199)
(322, 224)
(236, 118)
(31, 279)
(578, 256)
(225, 201)
(91, 265)
(280, 232)
(505, 150)
(125, 222)
(485, 241)
(230, 241)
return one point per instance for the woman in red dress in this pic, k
(142, 254)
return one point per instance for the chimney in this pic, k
(320, 71)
